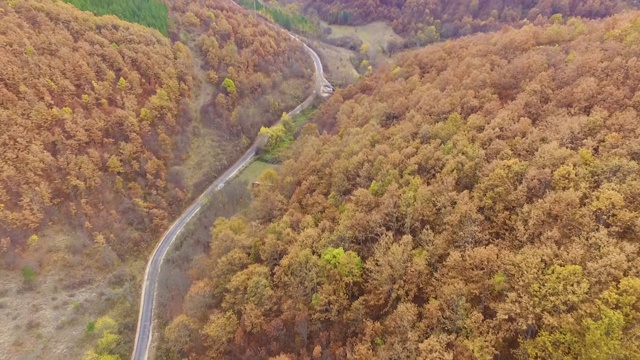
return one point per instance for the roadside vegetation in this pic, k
(192, 246)
(281, 136)
(251, 172)
(246, 73)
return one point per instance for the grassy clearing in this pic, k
(376, 34)
(251, 172)
(208, 154)
(337, 64)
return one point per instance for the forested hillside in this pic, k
(258, 72)
(100, 131)
(425, 21)
(88, 123)
(89, 118)
(478, 200)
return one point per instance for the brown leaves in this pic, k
(77, 93)
(490, 190)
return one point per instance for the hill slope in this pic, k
(255, 69)
(89, 111)
(248, 73)
(100, 129)
(90, 114)
(480, 199)
(424, 21)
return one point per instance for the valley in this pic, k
(179, 180)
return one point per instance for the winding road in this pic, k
(144, 330)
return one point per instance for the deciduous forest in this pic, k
(257, 71)
(476, 198)
(426, 21)
(88, 124)
(102, 124)
(479, 199)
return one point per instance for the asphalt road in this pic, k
(144, 331)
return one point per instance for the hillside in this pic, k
(107, 132)
(477, 200)
(90, 114)
(88, 123)
(249, 74)
(425, 21)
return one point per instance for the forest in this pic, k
(426, 21)
(93, 118)
(479, 199)
(88, 124)
(151, 13)
(101, 126)
(257, 72)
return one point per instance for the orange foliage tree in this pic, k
(478, 199)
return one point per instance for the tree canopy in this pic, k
(88, 111)
(94, 119)
(478, 199)
(151, 13)
(424, 21)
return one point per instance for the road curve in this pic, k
(152, 272)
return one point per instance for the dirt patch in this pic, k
(46, 317)
(337, 63)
